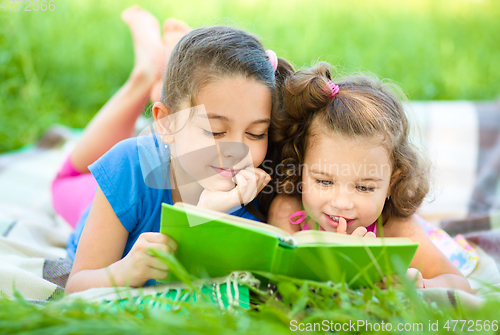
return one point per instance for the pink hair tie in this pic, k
(333, 88)
(272, 58)
(301, 214)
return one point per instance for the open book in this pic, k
(214, 244)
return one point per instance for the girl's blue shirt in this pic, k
(134, 177)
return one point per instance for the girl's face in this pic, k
(345, 177)
(225, 133)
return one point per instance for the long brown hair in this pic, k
(364, 106)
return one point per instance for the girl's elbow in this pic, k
(74, 283)
(70, 287)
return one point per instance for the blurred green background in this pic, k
(62, 66)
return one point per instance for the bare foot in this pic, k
(173, 31)
(148, 46)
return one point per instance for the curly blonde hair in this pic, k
(364, 106)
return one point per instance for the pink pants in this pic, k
(72, 192)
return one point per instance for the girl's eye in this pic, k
(256, 137)
(365, 189)
(214, 135)
(324, 182)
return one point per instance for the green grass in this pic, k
(61, 66)
(308, 303)
(293, 305)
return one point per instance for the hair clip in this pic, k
(333, 88)
(272, 58)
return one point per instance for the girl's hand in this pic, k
(139, 265)
(249, 183)
(360, 231)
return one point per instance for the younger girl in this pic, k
(348, 162)
(219, 87)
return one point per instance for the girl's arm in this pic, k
(280, 210)
(436, 269)
(98, 260)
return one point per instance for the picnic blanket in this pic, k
(461, 138)
(33, 258)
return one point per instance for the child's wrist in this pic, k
(115, 274)
(222, 205)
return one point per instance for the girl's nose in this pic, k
(342, 199)
(232, 152)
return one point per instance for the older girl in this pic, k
(217, 96)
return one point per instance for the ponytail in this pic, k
(303, 94)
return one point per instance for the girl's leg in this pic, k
(116, 119)
(173, 30)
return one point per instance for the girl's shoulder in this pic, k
(122, 153)
(404, 227)
(141, 157)
(285, 204)
(140, 150)
(282, 207)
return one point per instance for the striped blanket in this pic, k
(463, 142)
(33, 258)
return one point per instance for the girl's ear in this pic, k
(163, 119)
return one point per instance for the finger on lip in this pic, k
(332, 222)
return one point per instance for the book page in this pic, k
(235, 220)
(324, 237)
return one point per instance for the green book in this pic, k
(213, 244)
